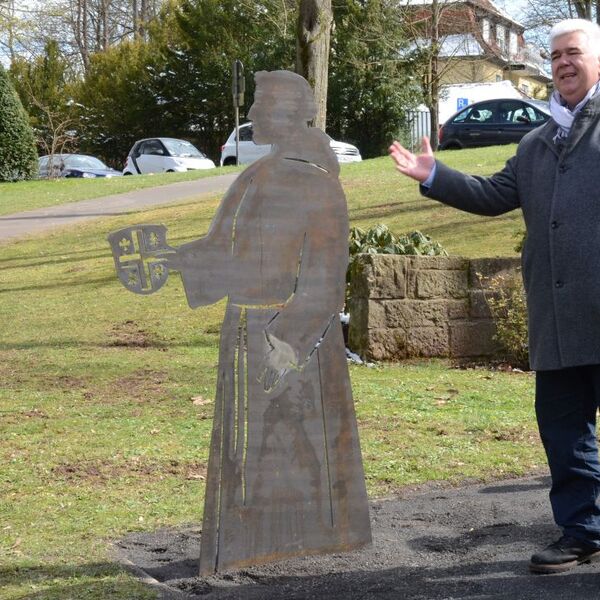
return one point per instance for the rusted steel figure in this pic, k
(285, 475)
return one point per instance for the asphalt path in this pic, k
(30, 222)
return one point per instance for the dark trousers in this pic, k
(566, 404)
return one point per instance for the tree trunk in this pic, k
(82, 32)
(584, 9)
(10, 24)
(144, 18)
(315, 19)
(434, 74)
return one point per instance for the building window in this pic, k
(501, 36)
(485, 30)
(498, 77)
(513, 48)
(525, 88)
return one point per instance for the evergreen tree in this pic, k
(178, 83)
(195, 80)
(116, 104)
(18, 158)
(371, 85)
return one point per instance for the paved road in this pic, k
(35, 221)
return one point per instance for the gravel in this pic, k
(432, 542)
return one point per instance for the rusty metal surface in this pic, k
(285, 475)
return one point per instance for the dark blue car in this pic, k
(74, 165)
(491, 122)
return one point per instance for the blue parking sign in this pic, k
(461, 103)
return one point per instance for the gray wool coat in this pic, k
(558, 190)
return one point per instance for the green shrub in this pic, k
(18, 158)
(505, 296)
(380, 240)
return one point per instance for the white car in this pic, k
(249, 151)
(165, 155)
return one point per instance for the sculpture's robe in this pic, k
(285, 474)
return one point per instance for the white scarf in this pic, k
(563, 116)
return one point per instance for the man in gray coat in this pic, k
(555, 179)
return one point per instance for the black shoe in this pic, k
(562, 555)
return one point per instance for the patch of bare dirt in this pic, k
(12, 417)
(492, 365)
(8, 374)
(130, 335)
(514, 434)
(35, 413)
(96, 471)
(142, 385)
(64, 382)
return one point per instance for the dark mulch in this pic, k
(432, 543)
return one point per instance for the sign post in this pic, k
(238, 87)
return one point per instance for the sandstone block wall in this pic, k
(410, 306)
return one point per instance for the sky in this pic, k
(513, 7)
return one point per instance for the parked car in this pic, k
(74, 165)
(491, 122)
(165, 155)
(250, 151)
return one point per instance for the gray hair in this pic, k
(591, 30)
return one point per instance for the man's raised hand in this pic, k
(416, 166)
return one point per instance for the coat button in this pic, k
(559, 284)
(563, 168)
(554, 224)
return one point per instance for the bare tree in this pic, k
(424, 31)
(15, 29)
(58, 136)
(540, 15)
(315, 20)
(84, 27)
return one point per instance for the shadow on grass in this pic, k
(452, 226)
(390, 209)
(98, 281)
(208, 340)
(59, 582)
(58, 216)
(66, 256)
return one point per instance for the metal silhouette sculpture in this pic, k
(285, 475)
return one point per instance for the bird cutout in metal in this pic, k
(285, 475)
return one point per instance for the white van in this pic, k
(249, 151)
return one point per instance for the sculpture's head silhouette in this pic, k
(283, 104)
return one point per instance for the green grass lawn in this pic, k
(106, 397)
(42, 193)
(377, 193)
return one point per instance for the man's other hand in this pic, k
(416, 166)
